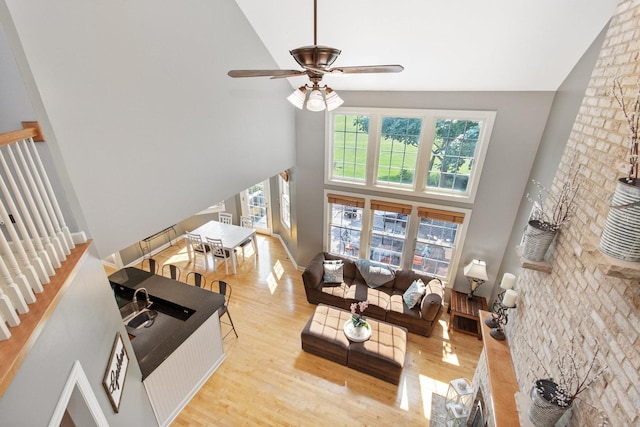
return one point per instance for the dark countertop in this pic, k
(154, 344)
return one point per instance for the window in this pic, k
(435, 242)
(345, 224)
(285, 203)
(429, 153)
(404, 235)
(452, 153)
(350, 142)
(398, 154)
(388, 232)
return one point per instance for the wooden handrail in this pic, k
(31, 130)
(16, 135)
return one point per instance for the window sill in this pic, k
(609, 266)
(15, 350)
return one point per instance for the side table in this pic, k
(465, 316)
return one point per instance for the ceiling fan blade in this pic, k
(262, 73)
(367, 69)
(292, 74)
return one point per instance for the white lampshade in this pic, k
(298, 96)
(333, 100)
(508, 280)
(476, 269)
(316, 101)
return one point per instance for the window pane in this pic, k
(344, 230)
(285, 206)
(452, 154)
(388, 237)
(434, 247)
(350, 139)
(399, 142)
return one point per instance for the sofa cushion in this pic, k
(349, 270)
(375, 274)
(378, 299)
(413, 295)
(333, 271)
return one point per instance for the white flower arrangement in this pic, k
(559, 209)
(574, 376)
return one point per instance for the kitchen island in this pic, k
(180, 349)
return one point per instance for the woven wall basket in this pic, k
(621, 235)
(536, 241)
(543, 413)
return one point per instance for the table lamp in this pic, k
(476, 273)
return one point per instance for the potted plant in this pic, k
(550, 213)
(622, 231)
(552, 396)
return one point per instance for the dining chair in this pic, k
(152, 265)
(245, 222)
(196, 278)
(225, 217)
(224, 289)
(174, 271)
(219, 252)
(198, 246)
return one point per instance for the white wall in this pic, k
(139, 112)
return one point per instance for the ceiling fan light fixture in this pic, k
(298, 96)
(332, 98)
(316, 101)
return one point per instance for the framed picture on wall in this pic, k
(116, 372)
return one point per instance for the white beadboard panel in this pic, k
(172, 385)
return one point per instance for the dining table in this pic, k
(232, 236)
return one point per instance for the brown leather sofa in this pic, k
(385, 302)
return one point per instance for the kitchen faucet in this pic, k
(135, 297)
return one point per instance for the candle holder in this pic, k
(499, 317)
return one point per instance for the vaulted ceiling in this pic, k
(461, 45)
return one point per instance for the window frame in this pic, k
(429, 118)
(411, 231)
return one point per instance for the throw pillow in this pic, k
(375, 274)
(333, 271)
(414, 293)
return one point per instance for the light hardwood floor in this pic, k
(267, 379)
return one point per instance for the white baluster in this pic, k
(11, 288)
(26, 239)
(26, 216)
(40, 203)
(52, 195)
(7, 310)
(30, 272)
(4, 331)
(53, 254)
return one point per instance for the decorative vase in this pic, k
(543, 412)
(621, 236)
(357, 333)
(537, 240)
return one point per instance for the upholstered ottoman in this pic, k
(382, 355)
(323, 335)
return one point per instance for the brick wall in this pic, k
(577, 300)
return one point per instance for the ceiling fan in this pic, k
(316, 62)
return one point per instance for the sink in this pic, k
(142, 318)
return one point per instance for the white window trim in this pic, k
(424, 153)
(412, 228)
